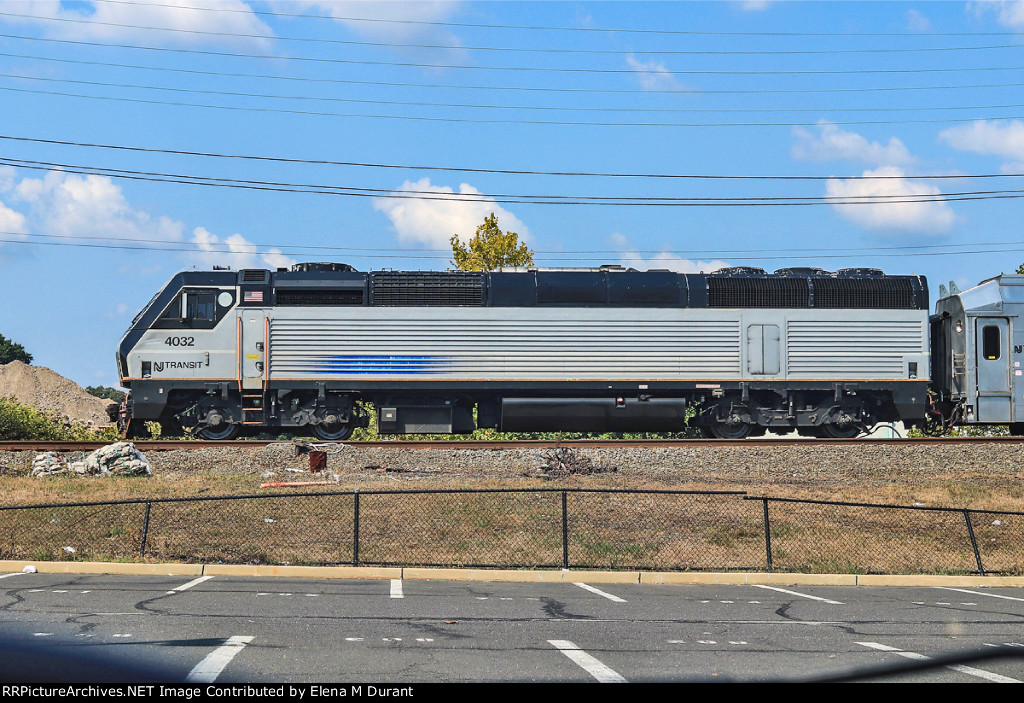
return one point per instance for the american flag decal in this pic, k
(253, 296)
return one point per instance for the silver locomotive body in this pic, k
(593, 350)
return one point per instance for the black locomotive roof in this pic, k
(735, 287)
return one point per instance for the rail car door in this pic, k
(252, 348)
(992, 356)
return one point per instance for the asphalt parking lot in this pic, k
(238, 629)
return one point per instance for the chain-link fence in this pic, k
(548, 528)
(835, 537)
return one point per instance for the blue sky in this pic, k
(838, 116)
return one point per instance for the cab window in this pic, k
(199, 306)
(194, 309)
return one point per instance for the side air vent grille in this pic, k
(421, 288)
(253, 275)
(758, 293)
(886, 293)
(319, 296)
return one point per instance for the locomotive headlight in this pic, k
(959, 326)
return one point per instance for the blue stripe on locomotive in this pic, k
(380, 364)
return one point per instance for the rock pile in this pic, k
(40, 387)
(118, 459)
(48, 463)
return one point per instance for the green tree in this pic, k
(490, 248)
(9, 351)
(105, 392)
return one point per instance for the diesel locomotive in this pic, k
(312, 348)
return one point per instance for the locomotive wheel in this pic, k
(727, 430)
(227, 431)
(333, 433)
(840, 431)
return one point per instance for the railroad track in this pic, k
(164, 444)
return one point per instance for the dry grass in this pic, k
(606, 530)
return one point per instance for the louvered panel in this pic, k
(852, 348)
(480, 348)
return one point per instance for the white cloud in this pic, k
(917, 22)
(630, 257)
(61, 203)
(1009, 13)
(652, 75)
(755, 5)
(122, 21)
(375, 18)
(12, 225)
(235, 251)
(889, 182)
(120, 310)
(94, 206)
(832, 143)
(7, 176)
(1005, 139)
(392, 22)
(10, 221)
(433, 222)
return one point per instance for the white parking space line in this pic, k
(209, 668)
(588, 663)
(396, 588)
(15, 573)
(190, 584)
(599, 592)
(979, 593)
(969, 670)
(802, 595)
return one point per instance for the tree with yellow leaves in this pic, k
(490, 248)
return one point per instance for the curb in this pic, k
(675, 578)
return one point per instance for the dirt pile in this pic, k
(48, 390)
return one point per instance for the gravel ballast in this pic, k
(756, 464)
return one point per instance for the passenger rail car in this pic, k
(977, 349)
(595, 350)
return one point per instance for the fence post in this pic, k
(145, 530)
(974, 542)
(355, 531)
(767, 534)
(565, 531)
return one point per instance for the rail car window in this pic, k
(990, 346)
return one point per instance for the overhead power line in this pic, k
(540, 108)
(501, 171)
(524, 69)
(513, 49)
(536, 199)
(563, 123)
(515, 88)
(219, 249)
(623, 30)
(909, 249)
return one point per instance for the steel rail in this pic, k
(166, 444)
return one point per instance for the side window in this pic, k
(990, 345)
(200, 306)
